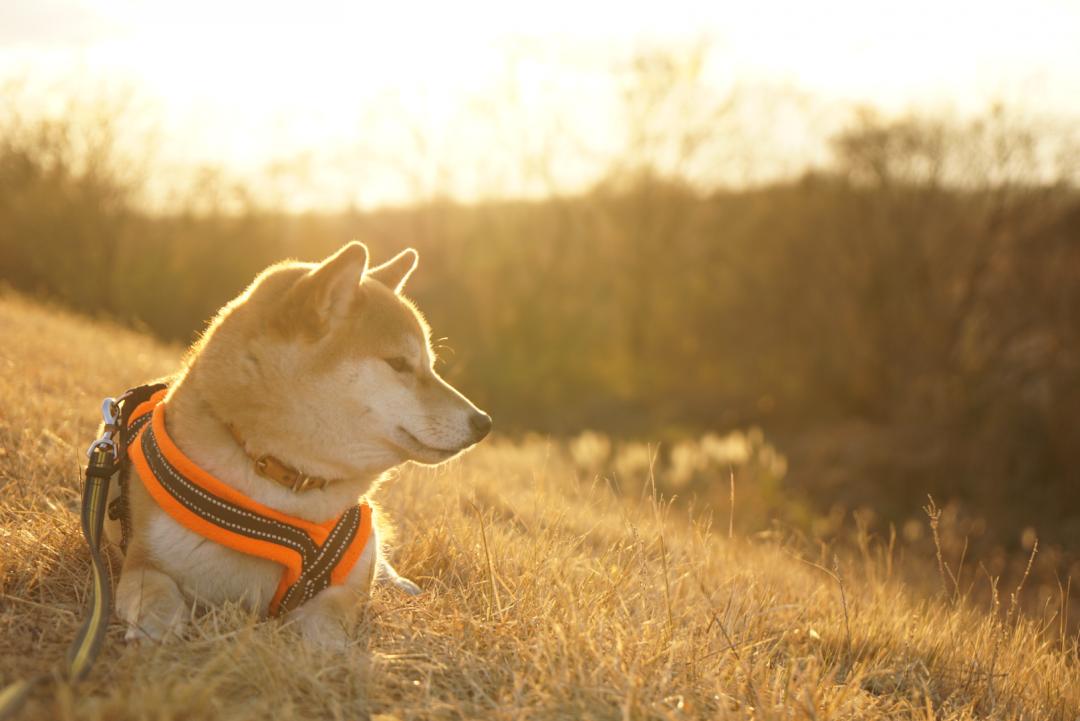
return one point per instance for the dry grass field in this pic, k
(547, 595)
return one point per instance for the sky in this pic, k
(371, 103)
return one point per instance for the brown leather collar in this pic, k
(270, 467)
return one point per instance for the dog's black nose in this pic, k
(480, 423)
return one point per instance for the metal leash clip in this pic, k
(110, 413)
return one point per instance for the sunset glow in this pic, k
(375, 104)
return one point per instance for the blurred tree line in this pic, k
(904, 319)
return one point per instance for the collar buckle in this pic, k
(304, 482)
(296, 481)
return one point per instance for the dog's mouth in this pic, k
(425, 452)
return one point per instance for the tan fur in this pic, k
(299, 365)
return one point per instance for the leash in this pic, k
(104, 455)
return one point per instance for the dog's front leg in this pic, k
(386, 573)
(325, 620)
(149, 601)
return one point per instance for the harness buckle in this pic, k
(110, 413)
(103, 443)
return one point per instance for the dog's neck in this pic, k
(207, 440)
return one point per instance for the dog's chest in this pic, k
(208, 572)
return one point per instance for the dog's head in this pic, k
(329, 365)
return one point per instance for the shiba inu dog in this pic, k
(324, 370)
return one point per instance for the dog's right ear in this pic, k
(328, 289)
(397, 270)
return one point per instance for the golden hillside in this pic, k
(546, 596)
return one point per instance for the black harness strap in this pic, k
(119, 509)
(316, 575)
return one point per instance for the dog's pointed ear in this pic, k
(394, 272)
(329, 288)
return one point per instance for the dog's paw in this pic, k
(154, 630)
(322, 633)
(403, 584)
(389, 575)
(138, 637)
(151, 605)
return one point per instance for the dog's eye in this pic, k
(398, 363)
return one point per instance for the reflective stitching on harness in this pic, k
(317, 577)
(136, 426)
(324, 575)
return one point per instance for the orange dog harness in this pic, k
(314, 555)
